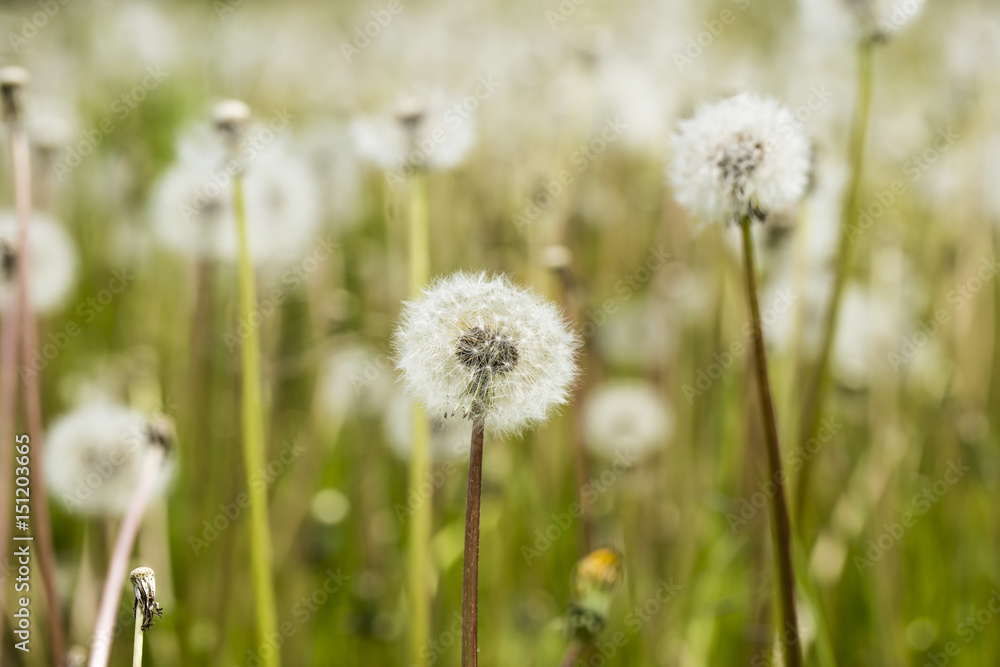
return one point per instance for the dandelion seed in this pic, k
(480, 347)
(739, 157)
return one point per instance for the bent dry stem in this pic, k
(20, 155)
(470, 569)
(253, 441)
(781, 530)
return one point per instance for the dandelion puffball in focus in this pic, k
(52, 256)
(479, 347)
(743, 156)
(627, 417)
(193, 201)
(430, 132)
(94, 455)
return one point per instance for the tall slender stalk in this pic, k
(781, 530)
(20, 157)
(816, 393)
(104, 629)
(9, 325)
(253, 441)
(420, 459)
(470, 569)
(137, 637)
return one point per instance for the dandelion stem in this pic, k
(817, 391)
(572, 654)
(781, 530)
(104, 629)
(420, 463)
(21, 167)
(137, 638)
(253, 441)
(470, 570)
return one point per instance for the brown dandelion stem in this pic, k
(781, 529)
(20, 157)
(470, 570)
(111, 594)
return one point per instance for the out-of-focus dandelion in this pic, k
(232, 119)
(53, 262)
(596, 578)
(740, 160)
(481, 348)
(146, 608)
(417, 134)
(160, 435)
(627, 417)
(192, 207)
(95, 454)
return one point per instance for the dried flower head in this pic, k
(144, 585)
(231, 117)
(743, 156)
(13, 79)
(52, 260)
(627, 417)
(94, 455)
(596, 577)
(482, 348)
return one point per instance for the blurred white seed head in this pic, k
(93, 456)
(356, 379)
(53, 262)
(449, 439)
(144, 587)
(743, 156)
(479, 347)
(417, 133)
(874, 20)
(192, 204)
(627, 417)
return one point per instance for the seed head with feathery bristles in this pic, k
(480, 347)
(742, 156)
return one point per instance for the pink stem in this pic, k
(21, 167)
(104, 630)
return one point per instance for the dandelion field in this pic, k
(707, 294)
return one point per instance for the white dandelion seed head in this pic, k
(93, 456)
(53, 261)
(741, 156)
(337, 170)
(627, 417)
(477, 346)
(449, 439)
(867, 19)
(355, 379)
(192, 205)
(417, 133)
